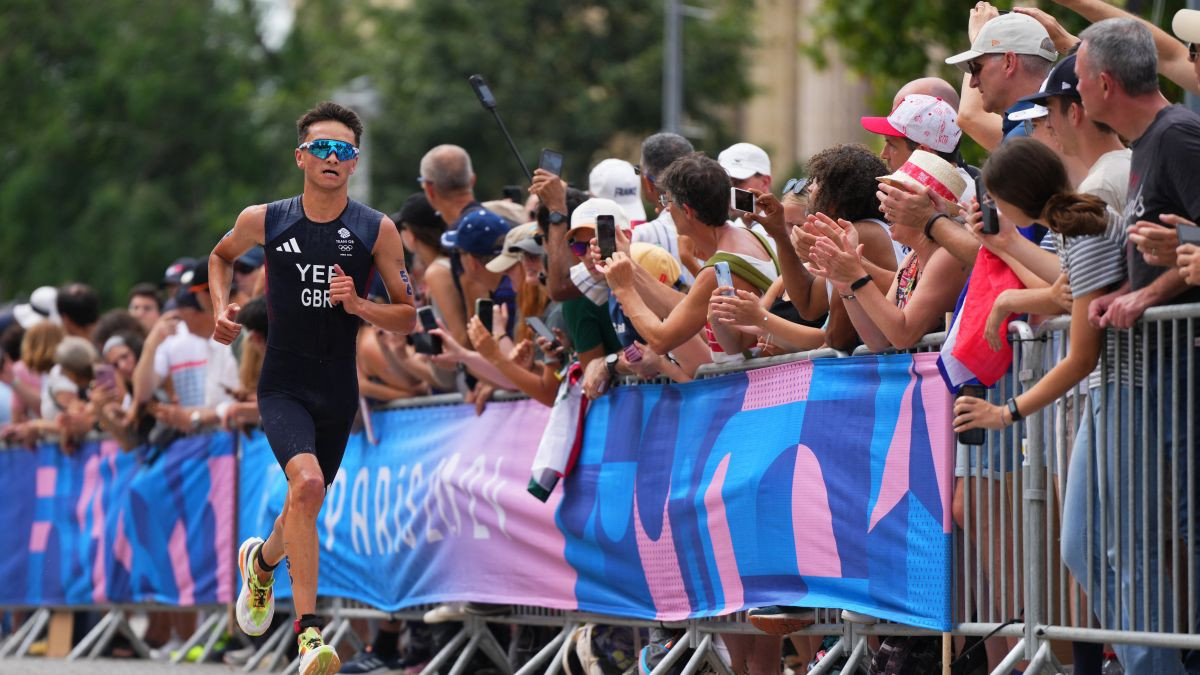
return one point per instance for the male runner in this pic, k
(321, 251)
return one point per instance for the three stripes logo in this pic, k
(289, 246)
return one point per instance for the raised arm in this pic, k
(1172, 54)
(685, 321)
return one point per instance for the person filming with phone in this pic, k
(696, 191)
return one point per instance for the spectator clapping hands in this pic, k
(837, 255)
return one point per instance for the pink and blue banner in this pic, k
(101, 526)
(821, 483)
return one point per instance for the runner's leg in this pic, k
(306, 492)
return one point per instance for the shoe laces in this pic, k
(259, 594)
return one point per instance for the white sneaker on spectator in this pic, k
(450, 611)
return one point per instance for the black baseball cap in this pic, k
(1060, 82)
(176, 270)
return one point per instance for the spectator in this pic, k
(617, 180)
(842, 185)
(201, 372)
(908, 310)
(170, 280)
(248, 277)
(42, 306)
(62, 389)
(449, 182)
(1174, 61)
(145, 304)
(696, 191)
(111, 397)
(658, 151)
(79, 307)
(1009, 57)
(521, 262)
(422, 228)
(113, 322)
(10, 355)
(919, 122)
(589, 324)
(1118, 84)
(479, 237)
(37, 360)
(749, 168)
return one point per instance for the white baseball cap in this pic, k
(585, 214)
(1033, 112)
(923, 119)
(743, 160)
(1017, 33)
(42, 306)
(1186, 25)
(615, 179)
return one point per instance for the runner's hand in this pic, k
(227, 327)
(342, 291)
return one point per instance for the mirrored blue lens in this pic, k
(321, 149)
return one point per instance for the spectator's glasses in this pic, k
(539, 239)
(796, 186)
(637, 169)
(579, 248)
(323, 147)
(1029, 127)
(664, 200)
(1192, 52)
(976, 66)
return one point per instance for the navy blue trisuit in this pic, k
(308, 390)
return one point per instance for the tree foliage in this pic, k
(135, 132)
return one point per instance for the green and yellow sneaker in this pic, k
(256, 601)
(316, 657)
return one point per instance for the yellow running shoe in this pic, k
(316, 657)
(256, 601)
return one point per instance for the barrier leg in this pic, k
(716, 663)
(91, 638)
(195, 638)
(676, 653)
(492, 648)
(39, 621)
(106, 637)
(464, 658)
(551, 649)
(831, 658)
(1017, 653)
(699, 657)
(139, 647)
(214, 635)
(285, 643)
(860, 650)
(267, 647)
(13, 641)
(446, 652)
(1040, 660)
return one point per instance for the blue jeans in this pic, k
(1123, 569)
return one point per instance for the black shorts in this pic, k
(308, 406)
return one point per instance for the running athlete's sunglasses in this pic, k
(322, 147)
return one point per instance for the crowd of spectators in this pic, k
(1092, 172)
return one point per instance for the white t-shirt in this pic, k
(55, 382)
(1108, 178)
(201, 370)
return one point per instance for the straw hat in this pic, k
(925, 169)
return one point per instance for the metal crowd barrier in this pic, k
(1010, 582)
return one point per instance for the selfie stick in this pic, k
(489, 102)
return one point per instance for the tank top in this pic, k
(300, 257)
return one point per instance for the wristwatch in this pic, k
(557, 218)
(1012, 410)
(195, 419)
(610, 362)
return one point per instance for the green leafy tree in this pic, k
(567, 76)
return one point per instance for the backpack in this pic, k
(907, 656)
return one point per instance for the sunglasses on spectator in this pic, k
(664, 200)
(637, 169)
(974, 67)
(579, 248)
(539, 239)
(323, 147)
(797, 186)
(1192, 51)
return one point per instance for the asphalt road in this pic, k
(39, 666)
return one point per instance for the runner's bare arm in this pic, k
(248, 231)
(401, 315)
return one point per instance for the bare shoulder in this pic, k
(255, 213)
